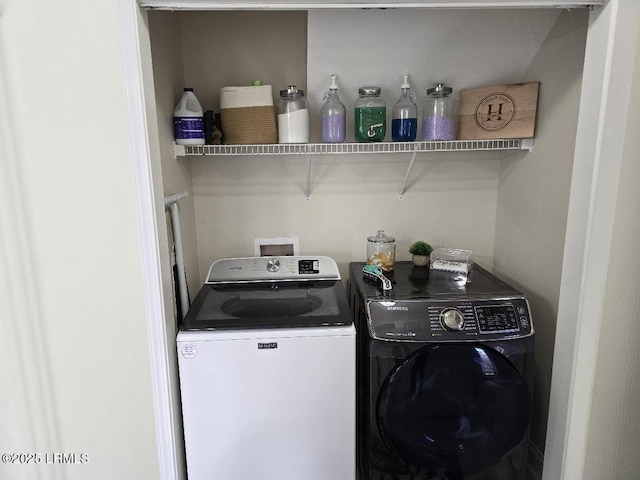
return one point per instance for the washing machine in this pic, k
(445, 374)
(266, 358)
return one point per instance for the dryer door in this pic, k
(460, 408)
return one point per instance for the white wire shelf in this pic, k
(309, 149)
(351, 148)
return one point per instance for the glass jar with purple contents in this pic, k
(438, 119)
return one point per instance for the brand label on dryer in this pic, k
(401, 334)
(269, 345)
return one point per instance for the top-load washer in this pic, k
(445, 372)
(266, 358)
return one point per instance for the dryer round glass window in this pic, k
(455, 407)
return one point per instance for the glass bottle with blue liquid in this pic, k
(404, 116)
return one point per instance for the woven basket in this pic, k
(247, 115)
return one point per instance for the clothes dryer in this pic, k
(445, 372)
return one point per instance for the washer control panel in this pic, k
(273, 265)
(447, 320)
(261, 269)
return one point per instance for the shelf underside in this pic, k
(339, 4)
(351, 148)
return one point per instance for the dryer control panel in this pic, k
(449, 320)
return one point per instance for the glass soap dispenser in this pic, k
(333, 116)
(404, 116)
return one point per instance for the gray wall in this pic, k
(533, 196)
(509, 208)
(452, 198)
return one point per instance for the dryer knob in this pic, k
(273, 265)
(452, 319)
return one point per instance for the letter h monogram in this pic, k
(497, 114)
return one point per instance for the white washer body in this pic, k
(282, 411)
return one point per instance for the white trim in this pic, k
(603, 110)
(149, 245)
(230, 5)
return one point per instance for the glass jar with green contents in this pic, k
(370, 115)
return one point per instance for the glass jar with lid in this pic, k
(381, 251)
(438, 116)
(370, 113)
(293, 116)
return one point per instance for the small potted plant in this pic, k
(420, 251)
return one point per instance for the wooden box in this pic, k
(502, 111)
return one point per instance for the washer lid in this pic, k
(257, 305)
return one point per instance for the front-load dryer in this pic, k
(445, 371)
(266, 357)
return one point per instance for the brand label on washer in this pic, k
(270, 345)
(189, 351)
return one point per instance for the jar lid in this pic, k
(368, 91)
(291, 90)
(381, 237)
(440, 88)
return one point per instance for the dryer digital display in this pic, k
(497, 318)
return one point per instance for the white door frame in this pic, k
(589, 226)
(606, 88)
(150, 201)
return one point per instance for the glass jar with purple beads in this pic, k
(438, 116)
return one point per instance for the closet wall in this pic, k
(509, 208)
(533, 195)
